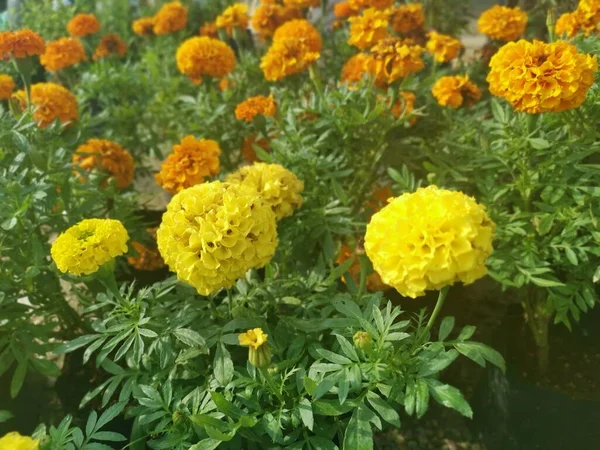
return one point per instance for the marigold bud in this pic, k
(363, 340)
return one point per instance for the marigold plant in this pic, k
(52, 102)
(62, 53)
(205, 56)
(110, 44)
(300, 29)
(171, 17)
(144, 26)
(234, 16)
(108, 156)
(404, 106)
(394, 58)
(443, 48)
(408, 18)
(83, 25)
(259, 352)
(503, 23)
(368, 28)
(7, 86)
(21, 44)
(253, 106)
(456, 91)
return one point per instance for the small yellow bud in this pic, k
(363, 340)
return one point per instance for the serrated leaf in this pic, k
(449, 396)
(358, 434)
(386, 412)
(223, 365)
(306, 413)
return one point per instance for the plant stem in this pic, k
(267, 376)
(438, 307)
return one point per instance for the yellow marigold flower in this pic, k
(205, 56)
(368, 28)
(439, 237)
(62, 53)
(404, 106)
(21, 44)
(354, 69)
(374, 282)
(455, 91)
(213, 233)
(209, 29)
(110, 44)
(503, 23)
(146, 258)
(259, 353)
(394, 58)
(253, 106)
(267, 18)
(51, 102)
(568, 24)
(14, 441)
(408, 18)
(343, 10)
(287, 57)
(589, 11)
(443, 48)
(144, 26)
(300, 29)
(190, 163)
(302, 3)
(234, 16)
(7, 86)
(83, 25)
(108, 156)
(170, 18)
(279, 188)
(538, 77)
(377, 4)
(248, 144)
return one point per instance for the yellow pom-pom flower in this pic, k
(144, 26)
(234, 16)
(253, 106)
(51, 102)
(443, 48)
(539, 77)
(83, 25)
(279, 187)
(455, 91)
(588, 13)
(394, 58)
(205, 56)
(503, 23)
(170, 18)
(259, 353)
(14, 441)
(190, 163)
(107, 156)
(568, 25)
(300, 29)
(21, 44)
(428, 240)
(84, 247)
(7, 86)
(368, 28)
(287, 57)
(110, 44)
(408, 18)
(267, 18)
(213, 233)
(62, 53)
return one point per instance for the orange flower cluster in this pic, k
(21, 44)
(344, 10)
(190, 163)
(110, 44)
(234, 16)
(83, 25)
(584, 19)
(147, 258)
(205, 56)
(373, 280)
(267, 18)
(253, 106)
(170, 18)
(62, 53)
(408, 18)
(455, 91)
(144, 26)
(51, 102)
(7, 86)
(443, 48)
(394, 58)
(404, 107)
(354, 69)
(503, 23)
(368, 28)
(108, 156)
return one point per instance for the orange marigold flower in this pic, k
(21, 44)
(62, 53)
(394, 58)
(538, 77)
(170, 18)
(83, 25)
(300, 29)
(108, 156)
(267, 18)
(209, 29)
(455, 91)
(234, 16)
(589, 15)
(568, 24)
(253, 106)
(51, 102)
(373, 281)
(225, 84)
(408, 18)
(144, 26)
(503, 23)
(381, 194)
(302, 3)
(343, 10)
(443, 48)
(7, 86)
(377, 4)
(248, 151)
(205, 56)
(147, 258)
(287, 57)
(354, 69)
(110, 44)
(368, 28)
(403, 107)
(190, 163)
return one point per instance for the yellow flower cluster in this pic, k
(213, 233)
(354, 69)
(83, 25)
(300, 29)
(503, 23)
(539, 77)
(110, 44)
(14, 441)
(368, 28)
(108, 156)
(234, 16)
(146, 258)
(439, 237)
(267, 18)
(442, 47)
(190, 163)
(84, 247)
(584, 19)
(51, 102)
(7, 86)
(279, 188)
(408, 18)
(205, 56)
(21, 44)
(253, 106)
(62, 53)
(170, 18)
(394, 58)
(144, 26)
(455, 91)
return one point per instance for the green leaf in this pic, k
(310, 386)
(439, 363)
(18, 378)
(223, 365)
(539, 143)
(545, 283)
(81, 341)
(571, 256)
(306, 413)
(358, 434)
(320, 443)
(325, 386)
(5, 415)
(446, 328)
(347, 348)
(480, 353)
(189, 337)
(108, 436)
(466, 333)
(110, 414)
(449, 396)
(206, 444)
(226, 407)
(332, 357)
(421, 397)
(386, 412)
(333, 407)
